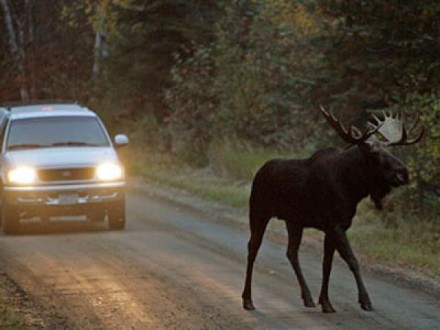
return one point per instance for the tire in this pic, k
(10, 218)
(116, 214)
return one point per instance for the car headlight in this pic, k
(109, 172)
(22, 175)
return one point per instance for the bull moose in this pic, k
(323, 192)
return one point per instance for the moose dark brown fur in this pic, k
(323, 192)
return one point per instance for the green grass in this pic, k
(226, 192)
(11, 315)
(241, 162)
(407, 241)
(242, 165)
(8, 320)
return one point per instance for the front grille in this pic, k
(66, 174)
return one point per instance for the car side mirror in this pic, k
(120, 140)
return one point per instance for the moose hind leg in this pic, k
(295, 235)
(258, 226)
(344, 249)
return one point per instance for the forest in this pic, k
(187, 76)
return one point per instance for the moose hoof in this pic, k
(367, 306)
(326, 307)
(308, 302)
(248, 305)
(365, 302)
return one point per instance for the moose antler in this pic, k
(394, 131)
(352, 136)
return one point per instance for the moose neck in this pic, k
(354, 173)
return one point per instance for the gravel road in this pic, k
(180, 267)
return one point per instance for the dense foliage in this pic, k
(51, 60)
(188, 74)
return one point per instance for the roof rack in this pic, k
(10, 105)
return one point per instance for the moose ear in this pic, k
(371, 147)
(370, 144)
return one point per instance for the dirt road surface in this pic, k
(175, 267)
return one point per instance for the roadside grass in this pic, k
(398, 238)
(13, 316)
(227, 192)
(8, 319)
(394, 236)
(242, 161)
(239, 164)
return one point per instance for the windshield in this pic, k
(55, 132)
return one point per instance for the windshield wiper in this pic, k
(26, 146)
(74, 143)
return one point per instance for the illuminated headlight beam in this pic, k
(109, 172)
(22, 175)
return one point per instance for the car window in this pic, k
(56, 131)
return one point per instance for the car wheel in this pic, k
(116, 215)
(10, 218)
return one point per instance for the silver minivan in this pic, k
(58, 163)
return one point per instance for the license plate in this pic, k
(68, 199)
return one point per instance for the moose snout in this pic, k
(399, 177)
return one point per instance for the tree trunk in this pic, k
(17, 47)
(31, 47)
(101, 47)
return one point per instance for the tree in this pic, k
(57, 69)
(142, 43)
(376, 50)
(250, 81)
(20, 35)
(387, 53)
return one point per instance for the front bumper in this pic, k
(64, 195)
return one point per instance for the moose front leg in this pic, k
(344, 249)
(258, 226)
(295, 233)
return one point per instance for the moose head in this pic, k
(386, 170)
